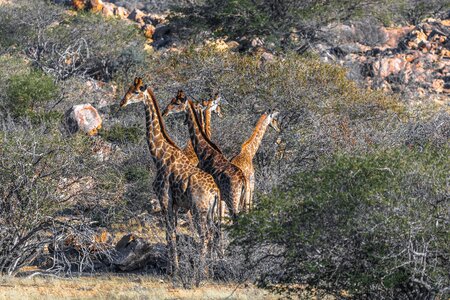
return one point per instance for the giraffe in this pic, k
(178, 184)
(206, 106)
(229, 178)
(244, 160)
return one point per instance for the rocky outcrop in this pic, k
(411, 60)
(133, 253)
(83, 117)
(145, 21)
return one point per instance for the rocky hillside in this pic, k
(411, 61)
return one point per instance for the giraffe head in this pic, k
(214, 104)
(272, 116)
(176, 105)
(179, 104)
(137, 92)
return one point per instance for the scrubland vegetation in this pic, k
(352, 196)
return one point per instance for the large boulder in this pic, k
(83, 117)
(134, 253)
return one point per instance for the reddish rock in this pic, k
(79, 4)
(85, 118)
(395, 35)
(96, 5)
(148, 30)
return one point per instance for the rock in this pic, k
(155, 19)
(96, 6)
(388, 66)
(445, 53)
(83, 117)
(137, 16)
(233, 45)
(149, 49)
(108, 9)
(267, 57)
(418, 37)
(219, 45)
(79, 4)
(257, 42)
(121, 12)
(148, 30)
(438, 85)
(395, 35)
(135, 253)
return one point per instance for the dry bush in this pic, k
(50, 183)
(66, 46)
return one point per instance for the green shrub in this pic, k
(120, 134)
(27, 92)
(372, 225)
(137, 173)
(274, 20)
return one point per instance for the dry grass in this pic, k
(115, 287)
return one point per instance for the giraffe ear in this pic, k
(143, 87)
(136, 80)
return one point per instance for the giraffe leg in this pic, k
(202, 230)
(216, 227)
(252, 190)
(171, 239)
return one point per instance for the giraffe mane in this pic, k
(160, 119)
(191, 106)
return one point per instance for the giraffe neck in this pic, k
(207, 122)
(251, 145)
(199, 139)
(157, 138)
